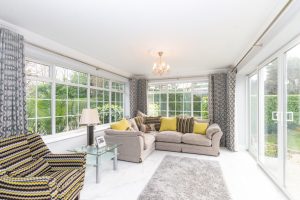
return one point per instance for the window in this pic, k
(71, 98)
(109, 102)
(56, 96)
(168, 99)
(38, 99)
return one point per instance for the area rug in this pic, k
(181, 178)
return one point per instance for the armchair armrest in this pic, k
(41, 188)
(66, 161)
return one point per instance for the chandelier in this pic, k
(160, 67)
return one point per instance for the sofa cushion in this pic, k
(139, 121)
(168, 124)
(196, 139)
(121, 125)
(35, 168)
(149, 139)
(153, 121)
(200, 128)
(185, 124)
(14, 152)
(133, 124)
(169, 136)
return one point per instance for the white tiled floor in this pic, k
(245, 180)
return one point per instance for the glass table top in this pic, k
(94, 150)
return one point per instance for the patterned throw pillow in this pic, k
(141, 114)
(146, 128)
(35, 168)
(153, 120)
(185, 124)
(139, 121)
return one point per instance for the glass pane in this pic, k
(82, 105)
(30, 89)
(36, 69)
(73, 123)
(93, 95)
(30, 105)
(179, 97)
(72, 107)
(99, 95)
(253, 115)
(172, 97)
(61, 124)
(72, 92)
(72, 76)
(61, 92)
(106, 84)
(44, 126)
(197, 106)
(93, 81)
(100, 82)
(106, 95)
(43, 90)
(31, 125)
(44, 108)
(61, 108)
(83, 78)
(269, 141)
(293, 122)
(61, 74)
(93, 104)
(83, 94)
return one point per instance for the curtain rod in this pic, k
(256, 43)
(72, 58)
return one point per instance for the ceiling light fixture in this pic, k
(160, 67)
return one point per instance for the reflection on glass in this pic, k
(269, 147)
(253, 115)
(293, 122)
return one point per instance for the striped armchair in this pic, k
(28, 170)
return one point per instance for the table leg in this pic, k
(116, 159)
(98, 163)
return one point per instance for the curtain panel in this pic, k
(138, 96)
(222, 106)
(13, 119)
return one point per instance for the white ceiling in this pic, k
(198, 36)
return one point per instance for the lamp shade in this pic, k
(89, 117)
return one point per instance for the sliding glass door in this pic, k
(274, 119)
(253, 109)
(269, 132)
(292, 125)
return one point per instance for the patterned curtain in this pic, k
(13, 119)
(138, 96)
(221, 105)
(133, 85)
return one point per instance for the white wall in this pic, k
(62, 146)
(241, 111)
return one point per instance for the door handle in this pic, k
(289, 116)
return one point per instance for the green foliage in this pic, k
(116, 112)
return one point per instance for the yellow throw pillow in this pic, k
(200, 128)
(168, 124)
(120, 125)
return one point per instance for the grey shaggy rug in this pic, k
(181, 178)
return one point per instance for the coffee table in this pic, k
(96, 155)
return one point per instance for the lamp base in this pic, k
(90, 135)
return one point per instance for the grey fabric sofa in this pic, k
(136, 145)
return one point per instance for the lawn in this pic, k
(293, 140)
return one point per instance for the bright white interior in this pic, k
(198, 37)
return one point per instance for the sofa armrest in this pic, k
(212, 130)
(123, 133)
(41, 188)
(66, 161)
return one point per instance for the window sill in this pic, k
(71, 134)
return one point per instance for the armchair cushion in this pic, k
(41, 188)
(66, 180)
(66, 161)
(37, 146)
(14, 153)
(35, 168)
